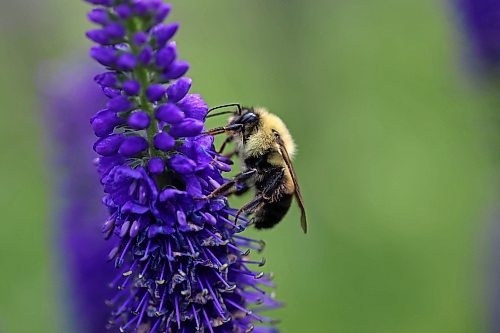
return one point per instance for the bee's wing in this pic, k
(298, 195)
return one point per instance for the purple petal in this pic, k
(166, 55)
(162, 33)
(119, 104)
(177, 69)
(124, 11)
(177, 90)
(170, 193)
(140, 38)
(162, 12)
(193, 106)
(155, 92)
(139, 120)
(193, 186)
(146, 55)
(156, 165)
(109, 145)
(187, 128)
(99, 36)
(156, 230)
(107, 79)
(99, 16)
(115, 31)
(126, 62)
(111, 92)
(106, 3)
(182, 164)
(132, 207)
(104, 122)
(163, 141)
(104, 55)
(132, 146)
(131, 87)
(169, 113)
(140, 8)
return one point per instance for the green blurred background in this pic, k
(396, 156)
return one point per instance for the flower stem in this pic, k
(140, 74)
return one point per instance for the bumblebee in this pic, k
(265, 148)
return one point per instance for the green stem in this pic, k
(140, 74)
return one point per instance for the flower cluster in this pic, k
(69, 98)
(182, 267)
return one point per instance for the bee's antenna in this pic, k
(220, 113)
(238, 105)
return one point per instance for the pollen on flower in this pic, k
(181, 265)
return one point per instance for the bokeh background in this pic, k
(397, 156)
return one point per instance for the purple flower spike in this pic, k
(155, 92)
(70, 97)
(181, 265)
(132, 146)
(164, 142)
(179, 89)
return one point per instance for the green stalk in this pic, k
(140, 74)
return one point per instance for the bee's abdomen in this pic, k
(272, 212)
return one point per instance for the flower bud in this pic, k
(178, 89)
(139, 120)
(169, 113)
(132, 146)
(163, 141)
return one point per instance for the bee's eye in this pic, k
(249, 117)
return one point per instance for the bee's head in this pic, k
(247, 116)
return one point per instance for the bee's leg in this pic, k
(239, 178)
(229, 139)
(239, 189)
(275, 177)
(251, 206)
(224, 129)
(244, 187)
